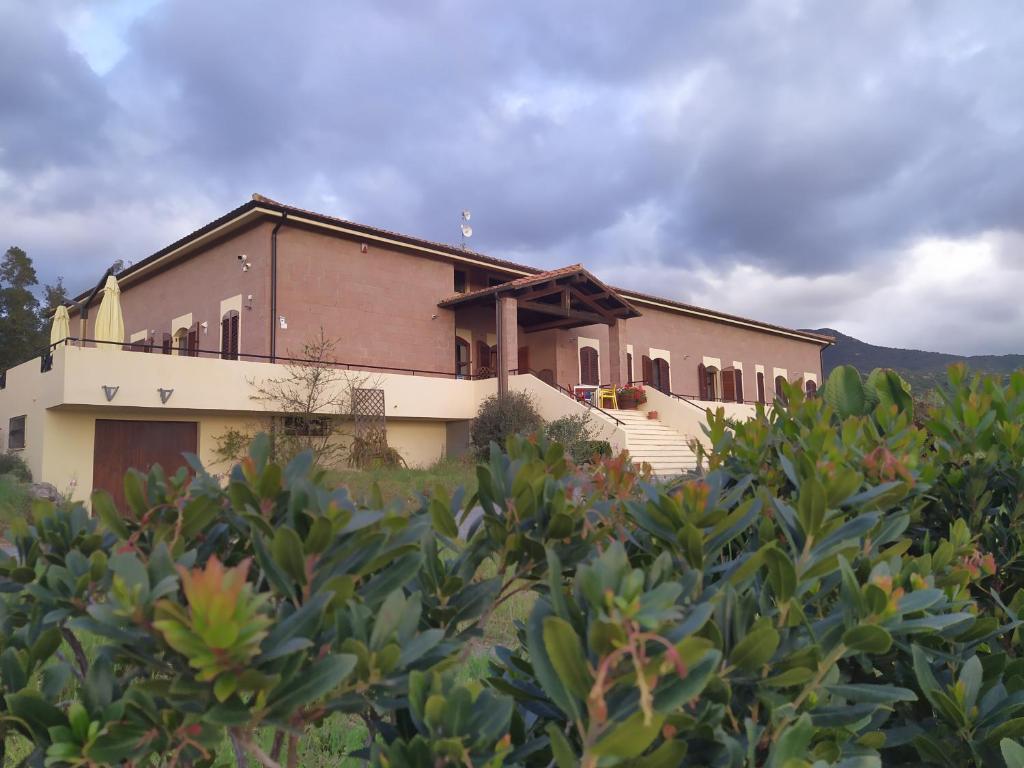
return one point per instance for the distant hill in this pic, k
(923, 370)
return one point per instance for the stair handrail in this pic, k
(568, 393)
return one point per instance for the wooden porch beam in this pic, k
(565, 322)
(590, 302)
(558, 310)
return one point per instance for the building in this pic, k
(433, 327)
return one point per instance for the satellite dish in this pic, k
(466, 215)
(467, 231)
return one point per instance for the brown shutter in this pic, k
(589, 372)
(811, 387)
(702, 382)
(728, 386)
(663, 377)
(483, 357)
(648, 370)
(225, 338)
(167, 345)
(193, 343)
(739, 385)
(629, 367)
(235, 320)
(760, 387)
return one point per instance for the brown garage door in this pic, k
(124, 445)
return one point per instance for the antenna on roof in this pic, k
(467, 231)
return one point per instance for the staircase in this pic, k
(649, 441)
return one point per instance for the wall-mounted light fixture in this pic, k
(165, 394)
(205, 326)
(248, 301)
(246, 264)
(110, 392)
(283, 323)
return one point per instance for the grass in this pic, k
(14, 501)
(405, 483)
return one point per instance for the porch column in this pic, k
(616, 354)
(508, 339)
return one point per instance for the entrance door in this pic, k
(524, 360)
(123, 445)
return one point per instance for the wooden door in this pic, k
(524, 360)
(123, 445)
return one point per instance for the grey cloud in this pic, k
(656, 142)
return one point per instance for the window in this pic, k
(590, 373)
(167, 344)
(660, 375)
(461, 358)
(460, 281)
(728, 386)
(307, 426)
(707, 382)
(780, 389)
(16, 433)
(760, 387)
(186, 341)
(229, 336)
(629, 367)
(810, 387)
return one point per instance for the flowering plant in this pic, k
(633, 391)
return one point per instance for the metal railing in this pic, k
(158, 349)
(568, 393)
(696, 397)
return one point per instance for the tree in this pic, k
(54, 295)
(19, 308)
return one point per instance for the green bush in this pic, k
(802, 604)
(13, 464)
(501, 416)
(587, 451)
(575, 434)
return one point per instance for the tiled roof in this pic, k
(261, 202)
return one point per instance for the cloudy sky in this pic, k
(851, 164)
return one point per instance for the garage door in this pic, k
(124, 445)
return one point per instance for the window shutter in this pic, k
(589, 371)
(663, 377)
(811, 387)
(739, 385)
(167, 345)
(760, 387)
(629, 367)
(193, 343)
(702, 382)
(235, 320)
(728, 386)
(648, 370)
(225, 338)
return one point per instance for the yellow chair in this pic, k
(607, 394)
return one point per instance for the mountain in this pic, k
(923, 370)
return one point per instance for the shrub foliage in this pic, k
(500, 417)
(833, 592)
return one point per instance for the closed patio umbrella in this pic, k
(61, 327)
(109, 320)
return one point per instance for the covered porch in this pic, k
(515, 327)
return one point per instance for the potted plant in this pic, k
(630, 396)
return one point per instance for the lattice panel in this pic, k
(369, 415)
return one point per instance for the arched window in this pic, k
(186, 342)
(780, 389)
(760, 387)
(810, 387)
(660, 375)
(461, 358)
(229, 336)
(590, 373)
(710, 378)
